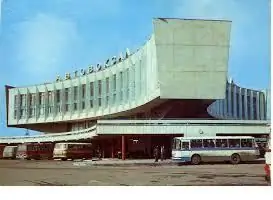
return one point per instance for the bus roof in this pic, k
(215, 137)
(72, 143)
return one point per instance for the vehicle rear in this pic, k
(10, 152)
(2, 147)
(60, 151)
(267, 166)
(22, 151)
(79, 151)
(44, 150)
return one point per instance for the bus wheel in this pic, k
(195, 159)
(235, 159)
(64, 159)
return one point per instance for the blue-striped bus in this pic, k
(214, 149)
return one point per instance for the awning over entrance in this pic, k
(186, 127)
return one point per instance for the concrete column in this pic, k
(123, 147)
(240, 104)
(113, 148)
(257, 94)
(251, 111)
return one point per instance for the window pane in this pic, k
(247, 143)
(221, 143)
(107, 85)
(83, 91)
(178, 144)
(91, 89)
(234, 143)
(185, 145)
(196, 144)
(115, 82)
(99, 87)
(209, 143)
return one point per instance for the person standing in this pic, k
(156, 153)
(162, 152)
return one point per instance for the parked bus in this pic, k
(72, 151)
(214, 149)
(2, 147)
(10, 152)
(35, 151)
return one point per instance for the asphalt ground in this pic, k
(64, 173)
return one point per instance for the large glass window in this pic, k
(66, 107)
(32, 99)
(83, 91)
(99, 87)
(75, 92)
(107, 101)
(243, 106)
(41, 98)
(254, 107)
(31, 112)
(58, 96)
(238, 108)
(75, 106)
(99, 101)
(248, 107)
(115, 82)
(232, 101)
(121, 79)
(50, 102)
(22, 113)
(23, 100)
(66, 94)
(15, 101)
(107, 86)
(50, 99)
(91, 89)
(15, 114)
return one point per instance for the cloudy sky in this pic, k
(41, 39)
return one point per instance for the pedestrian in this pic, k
(162, 152)
(156, 153)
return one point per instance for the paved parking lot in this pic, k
(15, 172)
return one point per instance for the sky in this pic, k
(42, 39)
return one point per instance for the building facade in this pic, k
(179, 73)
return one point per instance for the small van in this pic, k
(65, 151)
(10, 152)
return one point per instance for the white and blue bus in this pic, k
(214, 149)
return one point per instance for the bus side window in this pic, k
(234, 143)
(247, 143)
(221, 143)
(196, 144)
(185, 145)
(178, 144)
(209, 143)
